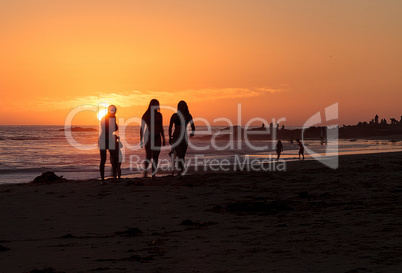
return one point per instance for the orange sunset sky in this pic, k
(277, 58)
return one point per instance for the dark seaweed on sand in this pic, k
(48, 178)
(265, 207)
(45, 270)
(4, 248)
(100, 269)
(138, 258)
(189, 222)
(132, 258)
(130, 232)
(67, 236)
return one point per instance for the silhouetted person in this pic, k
(376, 119)
(106, 140)
(301, 148)
(152, 136)
(179, 138)
(393, 121)
(283, 127)
(263, 126)
(323, 137)
(279, 149)
(118, 157)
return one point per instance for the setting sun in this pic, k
(102, 113)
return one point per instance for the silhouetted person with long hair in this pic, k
(279, 149)
(153, 136)
(107, 140)
(179, 138)
(301, 148)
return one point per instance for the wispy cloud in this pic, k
(140, 98)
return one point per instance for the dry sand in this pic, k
(307, 219)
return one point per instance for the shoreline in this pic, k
(194, 169)
(308, 218)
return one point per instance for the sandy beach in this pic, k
(307, 219)
(96, 90)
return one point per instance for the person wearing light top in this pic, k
(107, 140)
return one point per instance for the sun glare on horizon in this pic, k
(103, 111)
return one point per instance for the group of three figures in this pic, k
(152, 137)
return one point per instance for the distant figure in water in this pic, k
(301, 148)
(152, 136)
(323, 137)
(376, 119)
(279, 149)
(179, 138)
(107, 140)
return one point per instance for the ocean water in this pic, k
(27, 151)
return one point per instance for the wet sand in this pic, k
(307, 219)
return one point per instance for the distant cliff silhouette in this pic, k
(360, 130)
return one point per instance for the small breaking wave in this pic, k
(45, 169)
(24, 138)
